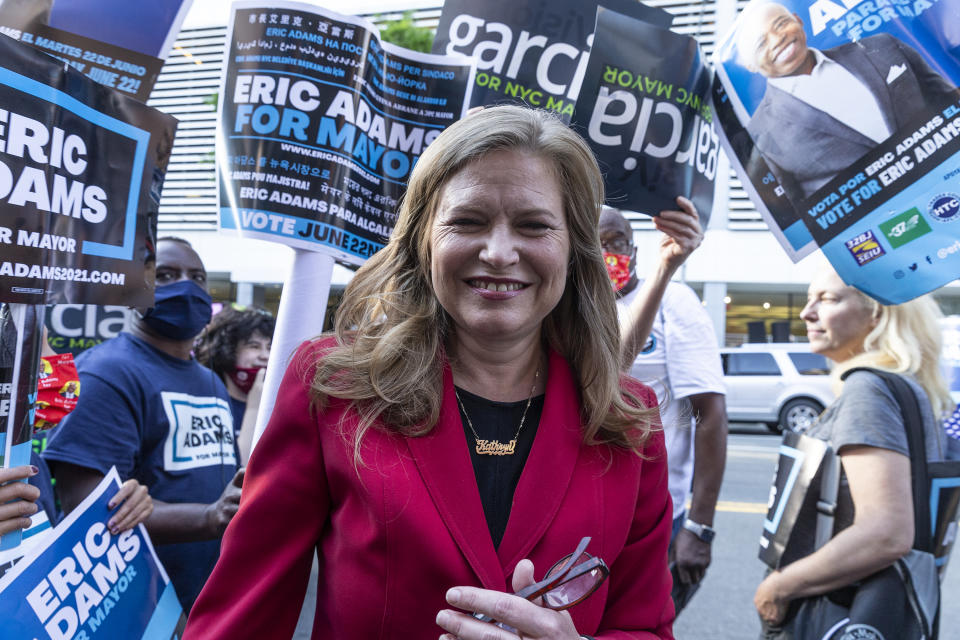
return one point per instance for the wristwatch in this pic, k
(703, 531)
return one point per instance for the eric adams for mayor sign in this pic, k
(321, 124)
(81, 168)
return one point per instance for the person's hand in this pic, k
(770, 601)
(682, 233)
(135, 504)
(17, 499)
(219, 514)
(531, 621)
(256, 391)
(692, 556)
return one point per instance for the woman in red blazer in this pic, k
(465, 427)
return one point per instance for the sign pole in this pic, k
(303, 306)
(20, 331)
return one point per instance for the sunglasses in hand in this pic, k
(571, 580)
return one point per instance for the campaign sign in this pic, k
(86, 584)
(645, 110)
(124, 52)
(19, 345)
(321, 124)
(790, 525)
(33, 537)
(529, 52)
(81, 169)
(844, 120)
(74, 328)
(944, 506)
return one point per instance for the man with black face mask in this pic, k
(155, 413)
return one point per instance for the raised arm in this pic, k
(682, 234)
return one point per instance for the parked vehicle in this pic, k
(781, 384)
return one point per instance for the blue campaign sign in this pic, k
(843, 120)
(86, 584)
(118, 43)
(321, 124)
(146, 27)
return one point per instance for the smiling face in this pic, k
(838, 317)
(774, 42)
(253, 352)
(500, 246)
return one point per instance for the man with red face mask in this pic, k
(677, 356)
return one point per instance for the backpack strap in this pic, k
(916, 442)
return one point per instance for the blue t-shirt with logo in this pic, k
(161, 420)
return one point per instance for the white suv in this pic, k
(782, 384)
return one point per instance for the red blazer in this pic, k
(394, 538)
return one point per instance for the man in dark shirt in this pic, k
(152, 411)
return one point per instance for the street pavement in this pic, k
(723, 607)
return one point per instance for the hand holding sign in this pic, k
(135, 504)
(682, 233)
(17, 499)
(115, 586)
(645, 110)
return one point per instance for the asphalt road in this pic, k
(723, 607)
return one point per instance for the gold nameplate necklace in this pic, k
(495, 447)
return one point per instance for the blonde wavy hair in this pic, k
(906, 339)
(391, 331)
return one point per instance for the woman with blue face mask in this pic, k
(152, 411)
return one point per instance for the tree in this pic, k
(405, 33)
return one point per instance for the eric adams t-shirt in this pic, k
(161, 420)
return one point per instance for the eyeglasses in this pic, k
(568, 582)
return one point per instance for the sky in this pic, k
(217, 12)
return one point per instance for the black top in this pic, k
(497, 476)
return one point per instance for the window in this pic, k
(810, 364)
(750, 364)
